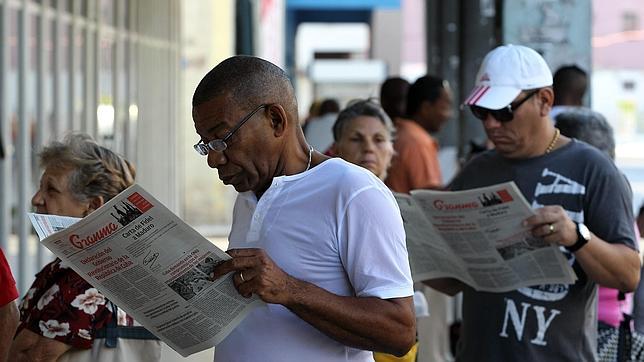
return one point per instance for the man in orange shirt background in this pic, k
(416, 165)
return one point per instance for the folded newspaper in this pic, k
(477, 237)
(152, 265)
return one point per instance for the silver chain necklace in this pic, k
(308, 164)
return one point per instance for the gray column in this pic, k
(5, 130)
(480, 33)
(23, 151)
(41, 134)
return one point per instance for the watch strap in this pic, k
(581, 241)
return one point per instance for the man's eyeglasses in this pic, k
(219, 144)
(503, 115)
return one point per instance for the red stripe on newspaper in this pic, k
(504, 195)
(140, 203)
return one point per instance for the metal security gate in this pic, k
(74, 65)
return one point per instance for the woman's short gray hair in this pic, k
(361, 107)
(589, 126)
(96, 170)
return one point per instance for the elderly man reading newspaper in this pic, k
(320, 240)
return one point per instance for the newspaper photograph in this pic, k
(477, 236)
(154, 266)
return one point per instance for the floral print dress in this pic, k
(62, 306)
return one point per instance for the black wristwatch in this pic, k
(583, 237)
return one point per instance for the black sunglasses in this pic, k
(505, 114)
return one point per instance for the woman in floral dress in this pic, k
(61, 312)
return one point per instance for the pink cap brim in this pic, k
(492, 97)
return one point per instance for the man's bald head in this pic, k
(249, 81)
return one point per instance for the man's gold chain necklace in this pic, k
(554, 140)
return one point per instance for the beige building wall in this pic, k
(207, 38)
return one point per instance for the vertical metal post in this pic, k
(23, 151)
(131, 89)
(41, 130)
(448, 30)
(96, 66)
(480, 33)
(88, 124)
(127, 91)
(55, 39)
(174, 15)
(432, 46)
(73, 53)
(5, 130)
(40, 135)
(117, 95)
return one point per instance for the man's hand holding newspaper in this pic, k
(478, 237)
(154, 266)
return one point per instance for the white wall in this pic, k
(623, 108)
(387, 33)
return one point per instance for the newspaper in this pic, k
(477, 236)
(152, 265)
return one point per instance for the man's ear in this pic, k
(279, 119)
(546, 98)
(94, 203)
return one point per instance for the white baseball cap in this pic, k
(505, 72)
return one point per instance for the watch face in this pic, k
(583, 231)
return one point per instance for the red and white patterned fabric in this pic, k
(62, 306)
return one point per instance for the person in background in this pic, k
(415, 164)
(319, 130)
(393, 97)
(364, 135)
(8, 310)
(318, 239)
(569, 86)
(8, 294)
(582, 205)
(61, 314)
(640, 220)
(591, 127)
(314, 111)
(638, 299)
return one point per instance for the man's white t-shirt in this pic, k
(336, 226)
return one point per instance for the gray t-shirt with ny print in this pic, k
(547, 322)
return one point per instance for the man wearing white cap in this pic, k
(582, 204)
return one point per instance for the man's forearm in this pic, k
(610, 265)
(367, 323)
(385, 325)
(9, 318)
